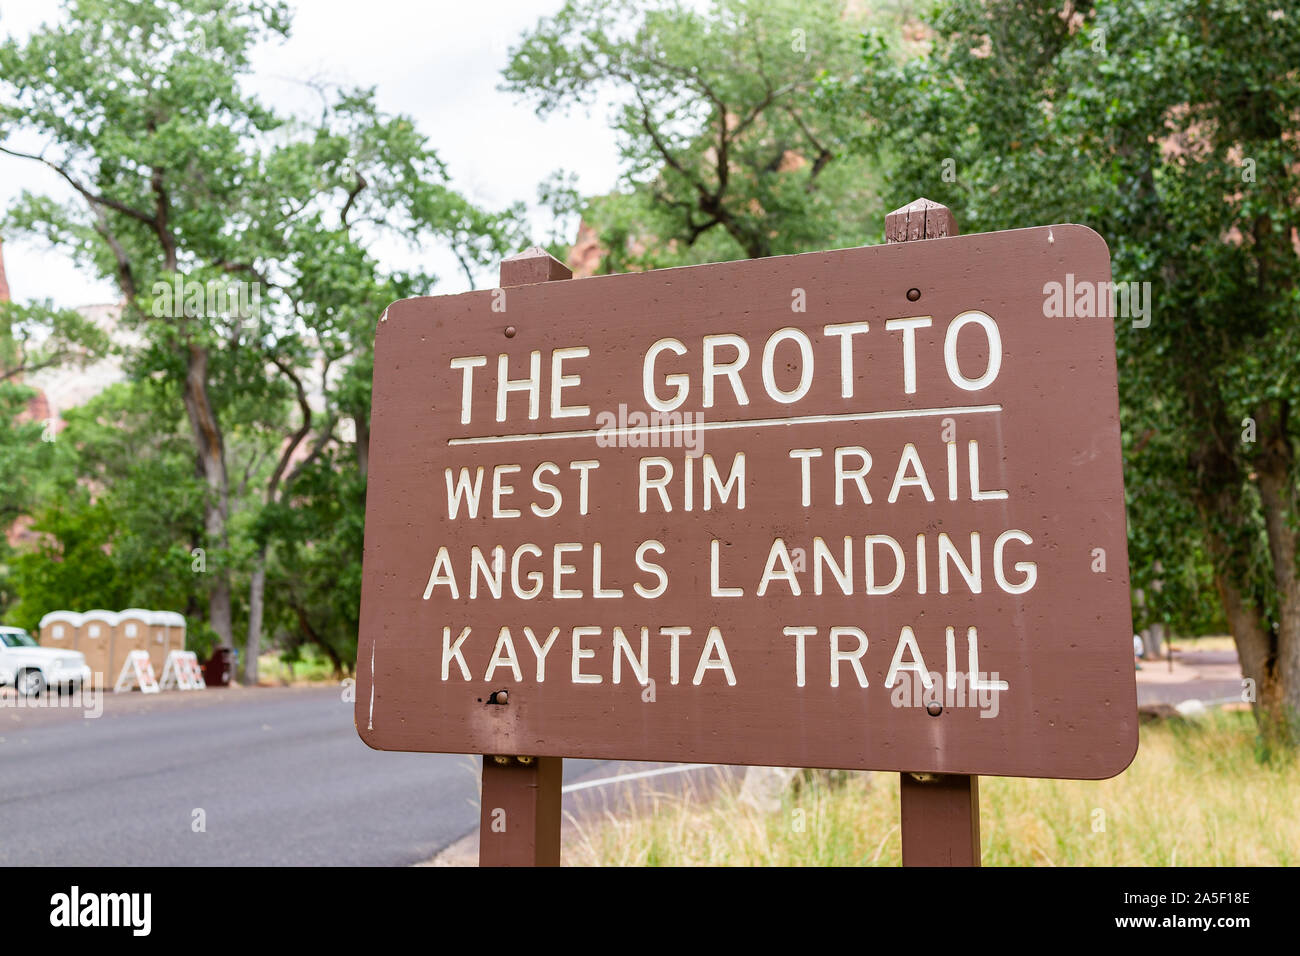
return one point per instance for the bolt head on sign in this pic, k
(798, 502)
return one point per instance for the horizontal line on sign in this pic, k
(639, 775)
(714, 426)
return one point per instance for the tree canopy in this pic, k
(725, 152)
(1170, 127)
(238, 239)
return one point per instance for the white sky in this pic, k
(438, 61)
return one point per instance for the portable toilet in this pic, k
(98, 643)
(135, 633)
(61, 629)
(174, 625)
(159, 643)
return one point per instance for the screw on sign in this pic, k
(836, 509)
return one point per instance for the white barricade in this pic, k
(182, 671)
(137, 671)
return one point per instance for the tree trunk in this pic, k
(363, 445)
(1264, 689)
(310, 636)
(1153, 649)
(1278, 500)
(1270, 662)
(216, 509)
(256, 593)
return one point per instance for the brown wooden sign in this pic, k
(857, 509)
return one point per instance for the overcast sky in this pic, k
(435, 60)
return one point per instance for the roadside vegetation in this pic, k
(307, 667)
(1194, 796)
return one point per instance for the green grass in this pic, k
(1194, 796)
(312, 668)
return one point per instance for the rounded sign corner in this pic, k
(1089, 235)
(368, 735)
(389, 313)
(1126, 757)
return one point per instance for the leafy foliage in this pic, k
(1170, 127)
(724, 154)
(182, 181)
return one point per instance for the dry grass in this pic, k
(1194, 796)
(1212, 643)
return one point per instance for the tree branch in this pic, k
(125, 274)
(296, 438)
(352, 196)
(98, 200)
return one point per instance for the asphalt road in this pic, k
(280, 776)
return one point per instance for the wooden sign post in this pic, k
(519, 807)
(940, 813)
(856, 509)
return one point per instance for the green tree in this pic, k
(725, 155)
(1170, 127)
(120, 513)
(180, 175)
(316, 571)
(21, 455)
(33, 337)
